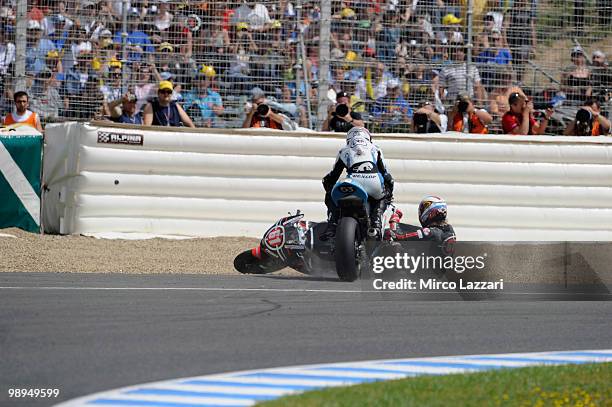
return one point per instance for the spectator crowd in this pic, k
(395, 66)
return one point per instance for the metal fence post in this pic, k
(21, 44)
(324, 36)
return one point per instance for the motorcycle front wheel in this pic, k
(346, 249)
(246, 263)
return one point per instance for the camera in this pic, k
(463, 106)
(342, 110)
(422, 124)
(584, 122)
(263, 109)
(543, 105)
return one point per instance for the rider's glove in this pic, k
(389, 183)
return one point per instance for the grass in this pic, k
(588, 385)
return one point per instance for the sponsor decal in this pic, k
(105, 137)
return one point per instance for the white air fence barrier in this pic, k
(104, 179)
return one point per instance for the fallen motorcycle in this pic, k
(295, 243)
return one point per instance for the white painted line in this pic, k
(7, 235)
(236, 388)
(287, 290)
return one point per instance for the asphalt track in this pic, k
(84, 333)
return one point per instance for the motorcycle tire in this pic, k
(246, 263)
(346, 252)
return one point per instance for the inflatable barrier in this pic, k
(104, 178)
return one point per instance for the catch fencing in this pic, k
(76, 57)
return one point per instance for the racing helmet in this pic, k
(358, 132)
(432, 209)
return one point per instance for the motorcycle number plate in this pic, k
(275, 238)
(346, 189)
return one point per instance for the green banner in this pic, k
(20, 165)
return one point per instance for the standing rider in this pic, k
(361, 158)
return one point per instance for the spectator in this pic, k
(112, 89)
(495, 50)
(75, 86)
(340, 118)
(7, 52)
(427, 119)
(392, 112)
(56, 25)
(589, 121)
(602, 75)
(207, 102)
(144, 88)
(482, 40)
(138, 42)
(22, 115)
(519, 119)
(467, 119)
(260, 114)
(454, 78)
(162, 21)
(521, 34)
(498, 98)
(129, 114)
(46, 98)
(163, 111)
(374, 86)
(576, 79)
(37, 48)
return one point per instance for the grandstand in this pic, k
(76, 57)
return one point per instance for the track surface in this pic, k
(87, 340)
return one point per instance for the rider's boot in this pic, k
(378, 210)
(330, 230)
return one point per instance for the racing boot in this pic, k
(332, 224)
(375, 230)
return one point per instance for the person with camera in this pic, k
(466, 118)
(129, 112)
(260, 114)
(589, 121)
(340, 117)
(427, 119)
(519, 120)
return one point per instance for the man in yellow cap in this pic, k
(163, 111)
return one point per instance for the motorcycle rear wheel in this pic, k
(346, 249)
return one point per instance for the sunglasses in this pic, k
(165, 92)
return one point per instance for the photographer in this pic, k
(260, 114)
(467, 119)
(589, 121)
(340, 118)
(519, 120)
(427, 120)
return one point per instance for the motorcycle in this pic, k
(295, 243)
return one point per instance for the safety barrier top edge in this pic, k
(449, 136)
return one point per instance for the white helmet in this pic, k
(358, 132)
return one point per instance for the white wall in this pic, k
(238, 182)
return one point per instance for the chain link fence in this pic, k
(77, 58)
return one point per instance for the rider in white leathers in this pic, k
(364, 163)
